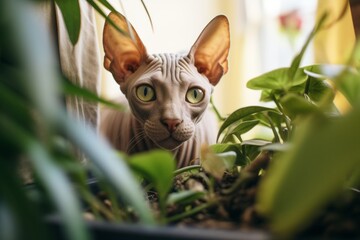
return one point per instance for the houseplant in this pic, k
(303, 105)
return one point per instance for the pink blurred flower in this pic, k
(290, 21)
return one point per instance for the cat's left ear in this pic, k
(210, 51)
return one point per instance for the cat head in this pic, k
(167, 93)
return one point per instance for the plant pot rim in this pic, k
(108, 231)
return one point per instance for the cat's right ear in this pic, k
(124, 51)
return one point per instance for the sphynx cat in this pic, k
(168, 94)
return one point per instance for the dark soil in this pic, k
(233, 207)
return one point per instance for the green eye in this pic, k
(145, 93)
(195, 95)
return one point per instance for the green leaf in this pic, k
(70, 10)
(107, 5)
(311, 174)
(277, 80)
(318, 89)
(54, 180)
(276, 147)
(74, 90)
(242, 127)
(60, 190)
(294, 67)
(255, 142)
(184, 197)
(349, 86)
(228, 158)
(234, 147)
(242, 113)
(295, 105)
(23, 213)
(157, 167)
(148, 14)
(216, 164)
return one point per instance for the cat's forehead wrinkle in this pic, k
(173, 67)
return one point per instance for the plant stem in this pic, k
(221, 118)
(276, 135)
(96, 205)
(187, 169)
(192, 211)
(286, 119)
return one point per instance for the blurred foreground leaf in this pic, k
(316, 168)
(70, 10)
(157, 167)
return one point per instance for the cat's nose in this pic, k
(171, 124)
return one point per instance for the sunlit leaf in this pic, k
(295, 105)
(277, 80)
(216, 164)
(234, 147)
(276, 147)
(312, 173)
(157, 167)
(242, 113)
(70, 10)
(184, 197)
(349, 86)
(255, 142)
(242, 127)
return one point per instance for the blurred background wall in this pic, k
(265, 34)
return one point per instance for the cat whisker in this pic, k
(135, 140)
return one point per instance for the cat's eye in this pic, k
(195, 95)
(145, 93)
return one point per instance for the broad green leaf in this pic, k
(228, 158)
(255, 142)
(216, 164)
(276, 80)
(184, 197)
(242, 127)
(242, 113)
(318, 89)
(314, 71)
(70, 11)
(157, 167)
(295, 105)
(276, 147)
(234, 147)
(349, 86)
(266, 95)
(311, 174)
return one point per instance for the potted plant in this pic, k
(272, 186)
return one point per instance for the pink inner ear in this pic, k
(132, 67)
(211, 49)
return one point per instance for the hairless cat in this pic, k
(168, 94)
